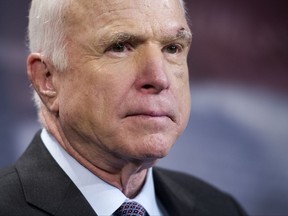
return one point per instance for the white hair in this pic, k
(183, 4)
(46, 30)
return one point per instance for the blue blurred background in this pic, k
(237, 137)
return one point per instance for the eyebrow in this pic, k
(120, 37)
(182, 34)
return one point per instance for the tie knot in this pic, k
(131, 209)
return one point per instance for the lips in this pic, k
(151, 114)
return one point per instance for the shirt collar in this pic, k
(103, 197)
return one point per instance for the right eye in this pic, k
(119, 49)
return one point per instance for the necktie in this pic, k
(131, 209)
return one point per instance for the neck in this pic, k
(127, 175)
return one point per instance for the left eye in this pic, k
(172, 49)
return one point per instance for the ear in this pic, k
(43, 78)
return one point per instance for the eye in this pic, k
(119, 47)
(119, 50)
(173, 48)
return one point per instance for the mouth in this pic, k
(151, 115)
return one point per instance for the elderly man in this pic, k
(112, 91)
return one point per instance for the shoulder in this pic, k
(207, 198)
(8, 178)
(11, 195)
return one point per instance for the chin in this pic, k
(157, 148)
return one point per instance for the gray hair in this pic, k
(46, 30)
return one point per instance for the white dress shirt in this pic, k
(104, 198)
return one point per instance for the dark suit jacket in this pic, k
(36, 185)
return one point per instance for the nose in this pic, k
(152, 77)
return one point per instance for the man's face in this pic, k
(126, 91)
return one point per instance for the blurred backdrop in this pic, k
(237, 137)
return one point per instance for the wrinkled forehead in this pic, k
(79, 11)
(115, 4)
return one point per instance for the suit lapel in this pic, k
(172, 195)
(45, 184)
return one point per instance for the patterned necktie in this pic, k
(131, 209)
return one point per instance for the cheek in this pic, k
(186, 93)
(184, 101)
(185, 110)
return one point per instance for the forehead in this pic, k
(81, 12)
(104, 5)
